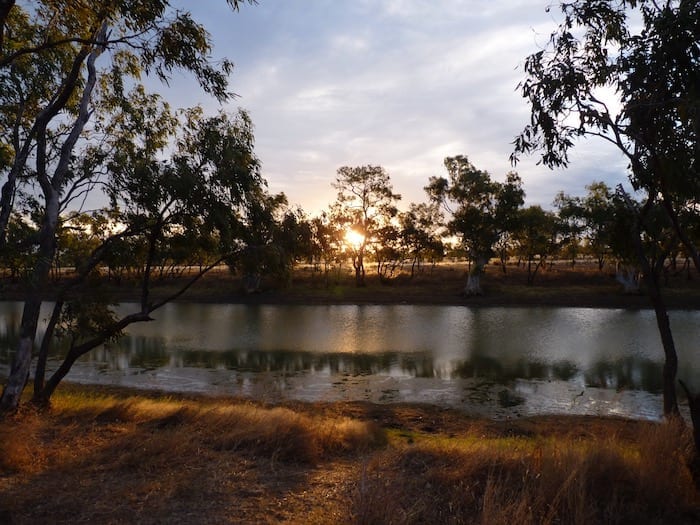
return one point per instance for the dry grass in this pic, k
(533, 480)
(120, 460)
(125, 457)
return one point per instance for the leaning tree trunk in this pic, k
(671, 357)
(19, 371)
(51, 187)
(651, 274)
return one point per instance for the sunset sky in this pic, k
(396, 83)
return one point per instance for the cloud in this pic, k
(399, 83)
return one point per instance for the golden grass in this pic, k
(126, 457)
(533, 481)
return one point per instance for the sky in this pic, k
(396, 83)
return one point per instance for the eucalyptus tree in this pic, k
(277, 236)
(482, 210)
(256, 258)
(599, 217)
(590, 219)
(569, 212)
(50, 74)
(327, 243)
(648, 248)
(48, 71)
(421, 233)
(201, 191)
(389, 252)
(296, 236)
(646, 53)
(365, 203)
(537, 237)
(19, 254)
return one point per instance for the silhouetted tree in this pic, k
(366, 202)
(482, 210)
(648, 53)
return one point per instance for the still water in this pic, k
(500, 362)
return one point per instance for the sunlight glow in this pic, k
(354, 238)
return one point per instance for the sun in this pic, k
(354, 238)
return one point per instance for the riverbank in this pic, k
(560, 285)
(110, 455)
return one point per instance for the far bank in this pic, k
(557, 285)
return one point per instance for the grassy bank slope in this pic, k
(116, 456)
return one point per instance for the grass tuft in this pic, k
(565, 480)
(125, 457)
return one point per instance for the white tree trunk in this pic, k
(473, 286)
(18, 375)
(628, 278)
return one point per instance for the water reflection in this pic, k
(500, 360)
(146, 353)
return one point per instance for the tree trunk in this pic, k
(42, 396)
(51, 188)
(694, 406)
(671, 357)
(19, 372)
(651, 275)
(628, 279)
(40, 373)
(358, 264)
(473, 286)
(6, 200)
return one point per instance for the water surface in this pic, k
(498, 361)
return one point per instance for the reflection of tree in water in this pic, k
(8, 339)
(495, 370)
(419, 365)
(626, 374)
(358, 364)
(9, 335)
(564, 370)
(149, 353)
(480, 366)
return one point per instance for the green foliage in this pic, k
(366, 203)
(19, 254)
(68, 126)
(275, 237)
(81, 320)
(654, 72)
(652, 68)
(326, 241)
(421, 232)
(482, 210)
(537, 237)
(49, 63)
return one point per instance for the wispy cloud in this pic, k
(400, 83)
